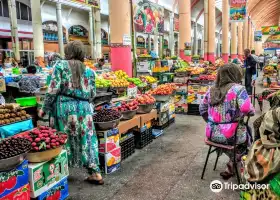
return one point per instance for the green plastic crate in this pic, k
(27, 101)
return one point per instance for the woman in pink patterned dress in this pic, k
(225, 103)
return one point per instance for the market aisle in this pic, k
(168, 169)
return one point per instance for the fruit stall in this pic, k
(130, 112)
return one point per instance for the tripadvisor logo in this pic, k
(216, 186)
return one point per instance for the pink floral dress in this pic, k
(222, 119)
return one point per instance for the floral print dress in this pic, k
(222, 119)
(72, 114)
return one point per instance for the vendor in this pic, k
(222, 106)
(100, 64)
(71, 87)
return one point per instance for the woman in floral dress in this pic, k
(223, 105)
(71, 88)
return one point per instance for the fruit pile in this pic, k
(10, 114)
(106, 115)
(148, 79)
(102, 83)
(109, 76)
(136, 81)
(119, 83)
(207, 77)
(121, 74)
(145, 99)
(165, 89)
(268, 69)
(197, 70)
(44, 138)
(128, 106)
(14, 146)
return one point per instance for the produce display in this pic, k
(207, 77)
(102, 83)
(44, 138)
(10, 114)
(128, 106)
(197, 71)
(119, 83)
(109, 76)
(106, 115)
(136, 81)
(165, 89)
(14, 146)
(148, 79)
(145, 99)
(121, 74)
(268, 69)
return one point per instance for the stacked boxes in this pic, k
(44, 176)
(14, 180)
(109, 150)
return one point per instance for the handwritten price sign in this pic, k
(132, 92)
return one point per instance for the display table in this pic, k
(124, 126)
(144, 118)
(15, 128)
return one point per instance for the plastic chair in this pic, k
(226, 147)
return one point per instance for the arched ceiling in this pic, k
(264, 12)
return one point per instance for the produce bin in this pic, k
(27, 101)
(143, 139)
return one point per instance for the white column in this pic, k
(195, 42)
(171, 33)
(91, 37)
(98, 31)
(219, 45)
(149, 43)
(14, 28)
(59, 29)
(37, 29)
(205, 30)
(156, 44)
(160, 46)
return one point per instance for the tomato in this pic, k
(57, 195)
(22, 196)
(2, 187)
(11, 182)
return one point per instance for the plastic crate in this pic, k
(127, 146)
(161, 127)
(171, 121)
(143, 139)
(193, 109)
(27, 101)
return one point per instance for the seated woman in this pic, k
(29, 83)
(223, 105)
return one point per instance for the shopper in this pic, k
(261, 61)
(222, 106)
(251, 71)
(71, 88)
(100, 64)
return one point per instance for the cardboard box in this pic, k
(58, 192)
(43, 176)
(22, 193)
(108, 140)
(111, 161)
(162, 106)
(13, 179)
(145, 118)
(125, 126)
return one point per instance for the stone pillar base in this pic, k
(233, 56)
(225, 57)
(121, 58)
(184, 57)
(211, 57)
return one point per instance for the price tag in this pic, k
(154, 85)
(164, 78)
(142, 66)
(132, 92)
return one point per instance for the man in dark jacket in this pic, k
(251, 72)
